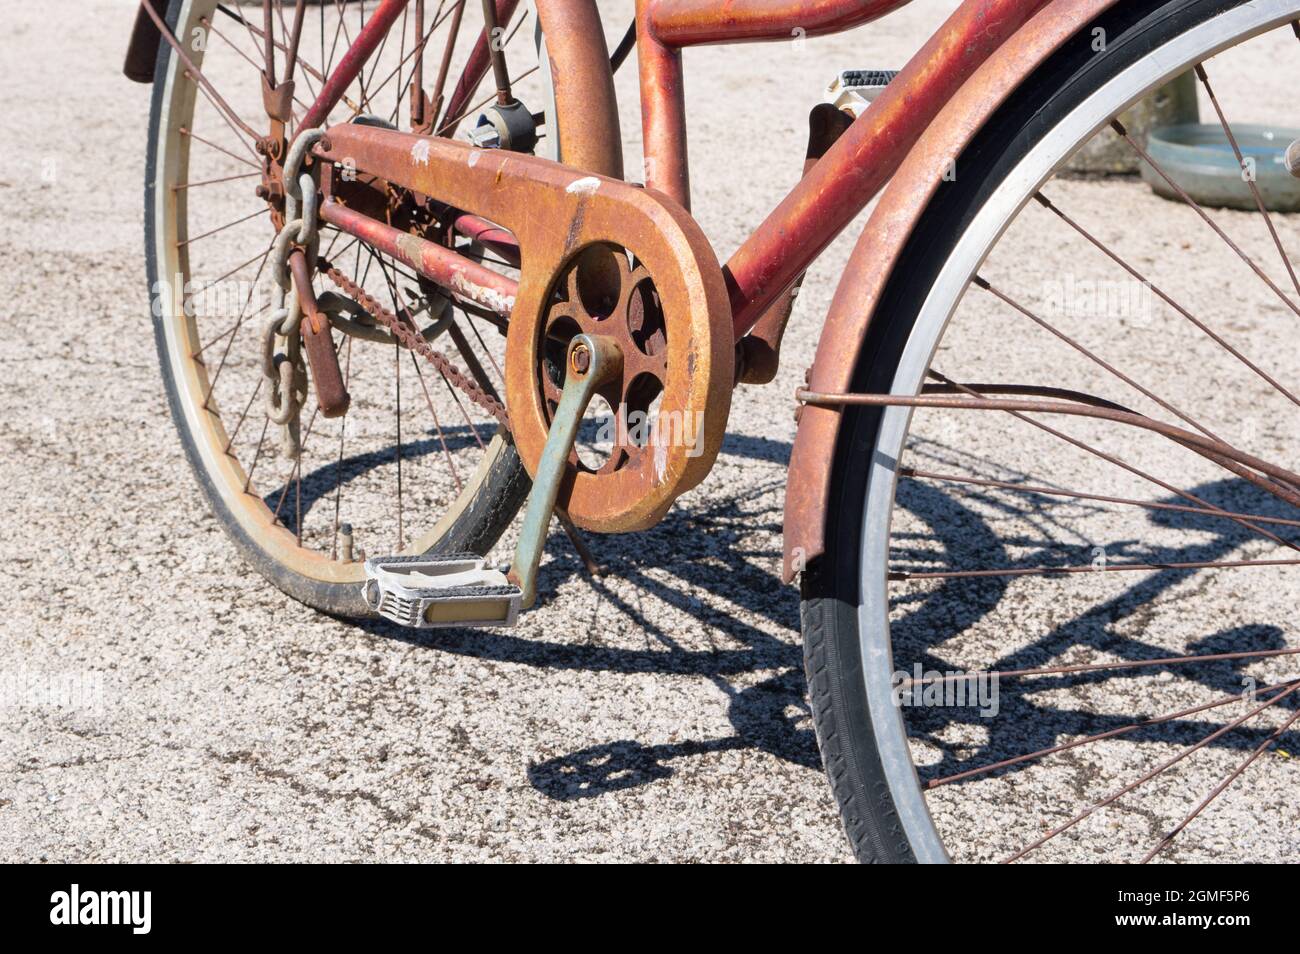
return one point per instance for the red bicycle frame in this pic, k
(841, 183)
(836, 189)
(944, 94)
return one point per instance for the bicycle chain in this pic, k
(414, 341)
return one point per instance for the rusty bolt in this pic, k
(263, 192)
(581, 359)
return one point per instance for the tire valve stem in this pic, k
(345, 542)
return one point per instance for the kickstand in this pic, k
(589, 561)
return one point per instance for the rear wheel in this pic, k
(1117, 610)
(417, 464)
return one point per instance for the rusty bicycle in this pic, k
(1060, 625)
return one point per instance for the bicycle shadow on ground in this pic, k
(696, 562)
(1114, 628)
(712, 553)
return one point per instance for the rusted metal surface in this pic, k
(557, 214)
(878, 249)
(663, 112)
(602, 294)
(590, 362)
(586, 125)
(1076, 405)
(318, 343)
(490, 235)
(760, 350)
(864, 158)
(463, 277)
(691, 22)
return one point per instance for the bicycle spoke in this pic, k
(437, 424)
(222, 228)
(397, 395)
(1110, 458)
(197, 138)
(1196, 207)
(208, 182)
(1097, 737)
(1149, 775)
(1220, 788)
(1101, 498)
(338, 467)
(1101, 667)
(1092, 356)
(1159, 293)
(193, 71)
(1250, 179)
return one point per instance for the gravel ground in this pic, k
(656, 713)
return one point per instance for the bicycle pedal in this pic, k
(431, 592)
(854, 90)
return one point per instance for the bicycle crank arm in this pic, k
(592, 360)
(433, 591)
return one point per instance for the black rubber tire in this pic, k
(831, 585)
(496, 500)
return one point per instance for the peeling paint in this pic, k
(420, 152)
(584, 186)
(501, 303)
(411, 247)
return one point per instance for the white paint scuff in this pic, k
(587, 185)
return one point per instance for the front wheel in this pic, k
(1065, 639)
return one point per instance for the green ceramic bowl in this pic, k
(1200, 159)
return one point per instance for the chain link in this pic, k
(413, 340)
(283, 365)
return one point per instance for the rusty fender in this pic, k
(878, 250)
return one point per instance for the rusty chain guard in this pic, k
(562, 218)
